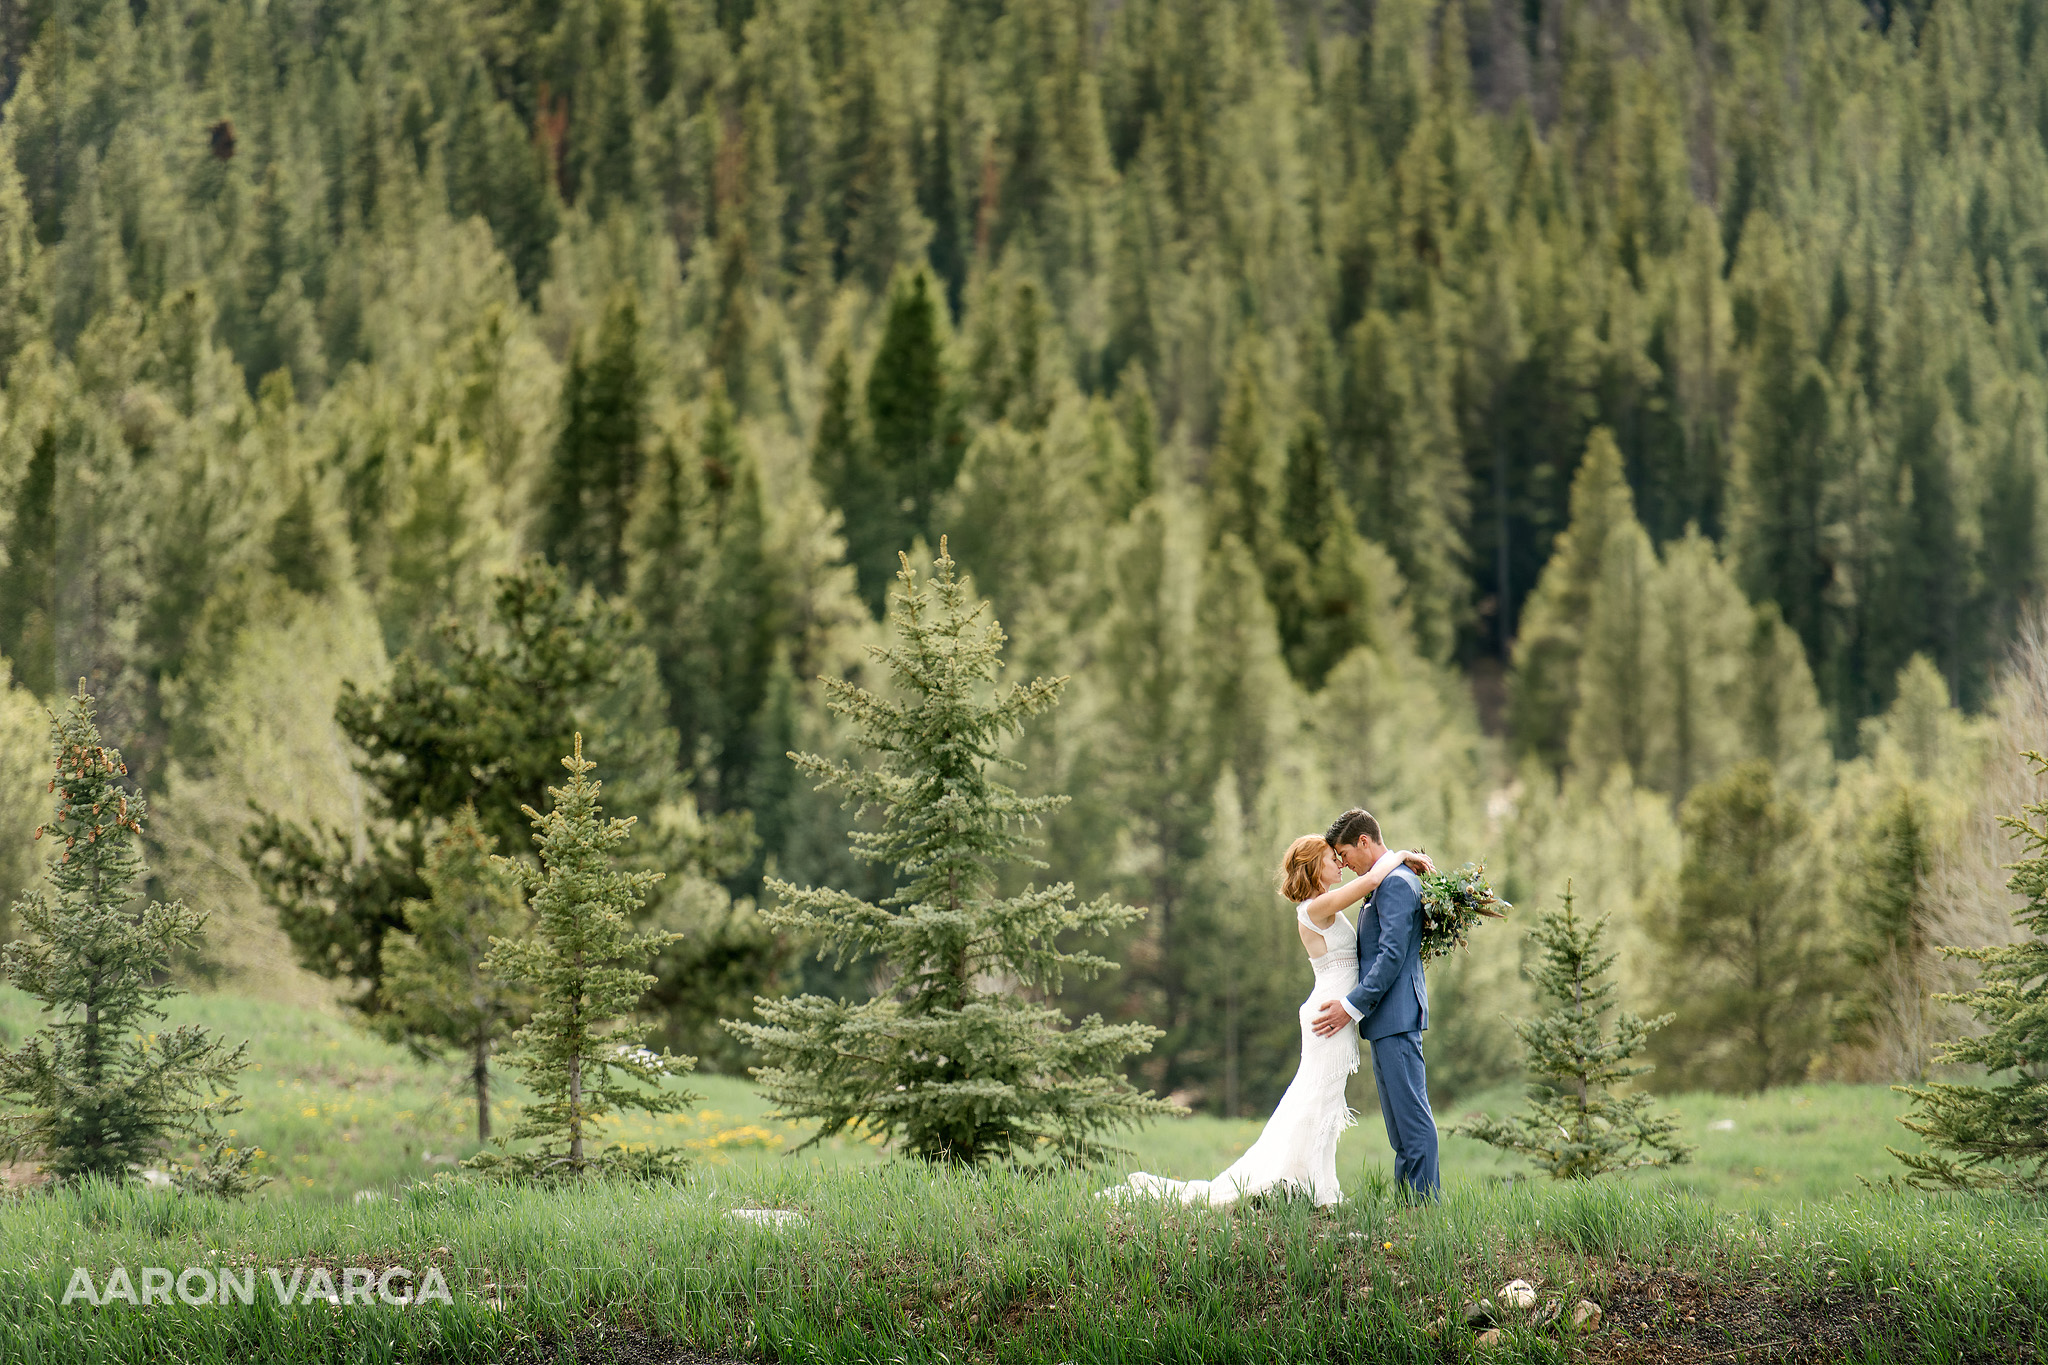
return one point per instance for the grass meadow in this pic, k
(336, 1111)
(1765, 1247)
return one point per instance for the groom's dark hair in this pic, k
(1351, 826)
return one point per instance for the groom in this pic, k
(1390, 1001)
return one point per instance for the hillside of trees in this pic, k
(1606, 438)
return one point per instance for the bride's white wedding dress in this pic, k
(1299, 1144)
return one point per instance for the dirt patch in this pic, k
(1658, 1315)
(17, 1176)
(613, 1346)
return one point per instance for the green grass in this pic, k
(894, 1261)
(1784, 1147)
(335, 1110)
(1779, 1149)
(902, 1263)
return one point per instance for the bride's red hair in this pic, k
(1301, 870)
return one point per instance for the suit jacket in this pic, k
(1390, 996)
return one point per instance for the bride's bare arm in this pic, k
(1323, 909)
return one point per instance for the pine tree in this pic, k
(595, 471)
(1746, 962)
(709, 599)
(1229, 741)
(1781, 473)
(1577, 1126)
(1890, 908)
(1024, 499)
(1395, 443)
(1543, 688)
(917, 440)
(1245, 470)
(1133, 344)
(28, 580)
(1325, 582)
(872, 188)
(1700, 643)
(442, 998)
(1781, 720)
(1996, 1137)
(593, 55)
(938, 193)
(812, 279)
(963, 1073)
(1008, 369)
(1921, 581)
(497, 169)
(1617, 666)
(474, 726)
(733, 332)
(1140, 422)
(1328, 586)
(839, 456)
(2011, 561)
(1152, 773)
(94, 1092)
(1921, 736)
(1308, 489)
(581, 1066)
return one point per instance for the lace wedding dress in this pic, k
(1299, 1144)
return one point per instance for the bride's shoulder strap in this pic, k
(1338, 924)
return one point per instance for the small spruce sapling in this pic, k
(1577, 1126)
(96, 1092)
(580, 1064)
(1996, 1137)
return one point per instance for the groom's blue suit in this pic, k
(1391, 1004)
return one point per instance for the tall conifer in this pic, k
(1612, 723)
(595, 470)
(1327, 586)
(1747, 963)
(956, 1068)
(1784, 441)
(1543, 687)
(1891, 909)
(1781, 720)
(474, 727)
(19, 258)
(1157, 767)
(709, 599)
(1703, 632)
(917, 439)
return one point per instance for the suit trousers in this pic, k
(1403, 1084)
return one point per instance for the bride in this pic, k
(1299, 1143)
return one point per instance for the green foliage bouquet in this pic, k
(1453, 903)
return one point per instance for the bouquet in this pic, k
(1453, 903)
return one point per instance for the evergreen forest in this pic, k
(1604, 438)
